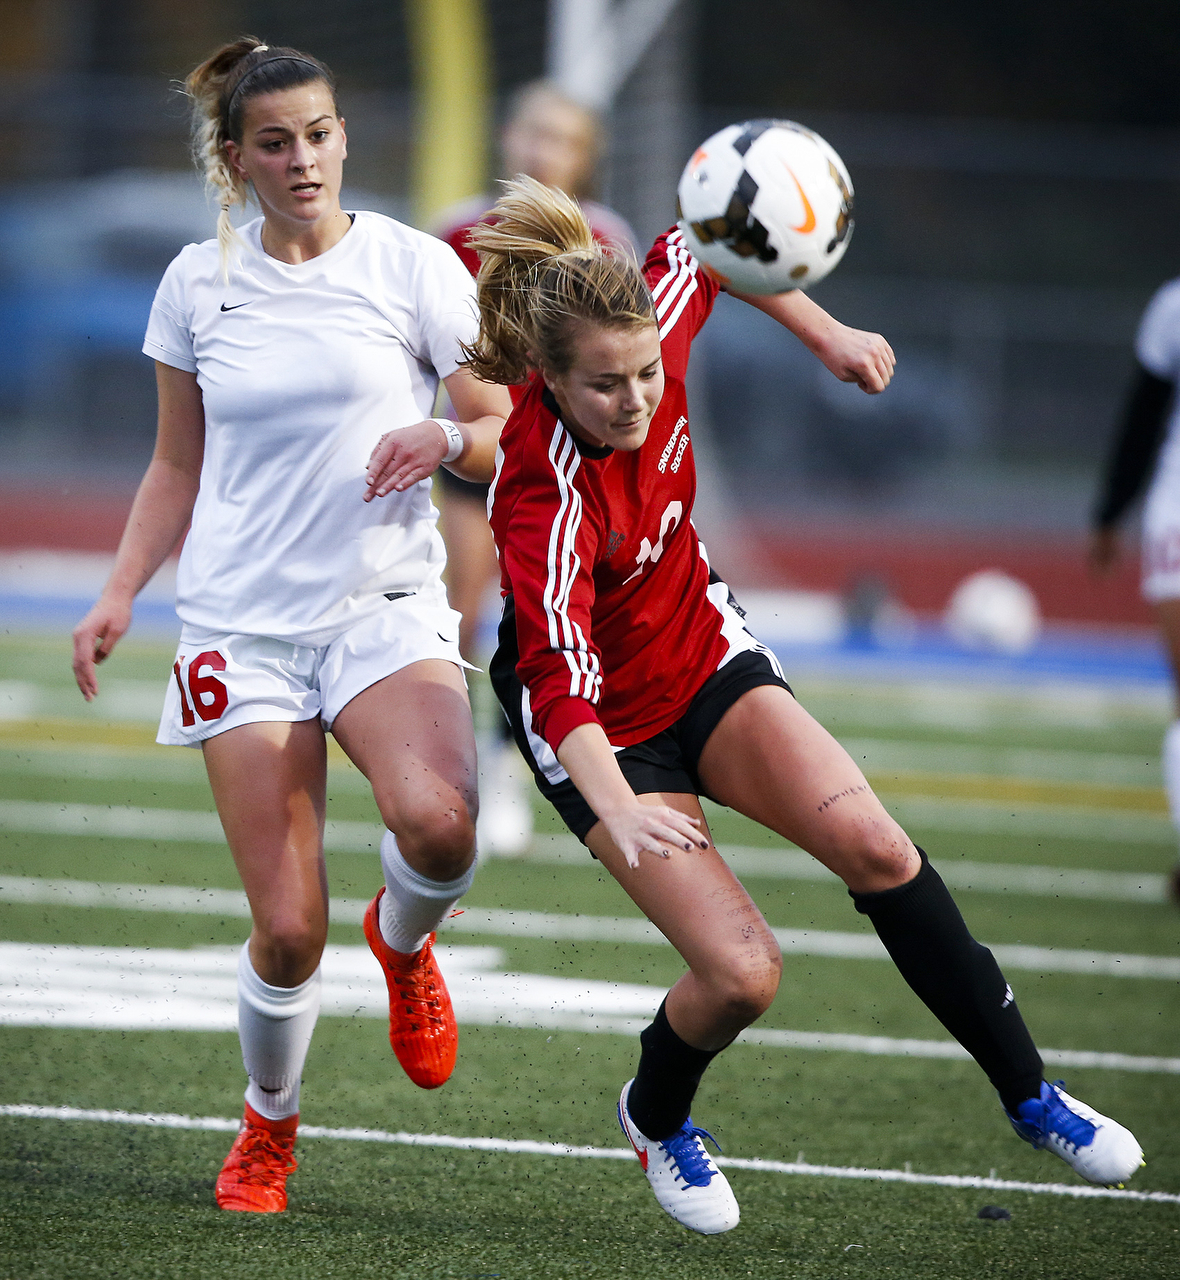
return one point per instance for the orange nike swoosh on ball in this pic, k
(808, 223)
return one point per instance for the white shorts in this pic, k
(220, 681)
(1161, 544)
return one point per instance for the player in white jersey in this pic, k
(297, 363)
(1147, 442)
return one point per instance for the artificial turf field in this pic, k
(993, 773)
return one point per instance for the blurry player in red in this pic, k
(556, 140)
(634, 687)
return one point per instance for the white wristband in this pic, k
(455, 442)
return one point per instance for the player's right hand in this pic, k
(856, 356)
(403, 457)
(642, 828)
(94, 638)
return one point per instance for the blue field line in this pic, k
(524, 1146)
(1094, 655)
(152, 619)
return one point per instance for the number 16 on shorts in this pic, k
(205, 694)
(220, 681)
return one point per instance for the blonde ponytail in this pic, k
(541, 272)
(218, 93)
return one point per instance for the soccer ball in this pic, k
(992, 611)
(766, 206)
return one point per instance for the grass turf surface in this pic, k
(84, 1199)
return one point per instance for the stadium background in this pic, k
(1017, 170)
(1016, 167)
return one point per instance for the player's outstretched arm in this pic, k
(405, 456)
(161, 512)
(851, 354)
(586, 755)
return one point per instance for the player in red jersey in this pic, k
(634, 687)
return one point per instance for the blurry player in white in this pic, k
(552, 138)
(1151, 419)
(296, 360)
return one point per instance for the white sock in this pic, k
(274, 1026)
(1171, 763)
(413, 906)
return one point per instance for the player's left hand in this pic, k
(855, 356)
(403, 457)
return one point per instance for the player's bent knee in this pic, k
(437, 840)
(880, 859)
(744, 990)
(288, 950)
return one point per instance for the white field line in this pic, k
(151, 989)
(552, 926)
(523, 1146)
(891, 1047)
(47, 817)
(980, 877)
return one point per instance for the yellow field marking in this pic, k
(121, 735)
(959, 786)
(55, 734)
(67, 732)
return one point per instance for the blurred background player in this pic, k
(552, 138)
(1147, 446)
(289, 355)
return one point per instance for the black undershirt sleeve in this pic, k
(1136, 446)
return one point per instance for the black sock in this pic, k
(666, 1079)
(957, 979)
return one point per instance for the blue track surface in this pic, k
(60, 614)
(1062, 653)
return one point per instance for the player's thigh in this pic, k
(268, 781)
(695, 901)
(772, 761)
(411, 735)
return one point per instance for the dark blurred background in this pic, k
(1017, 173)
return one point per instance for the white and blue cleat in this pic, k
(1097, 1148)
(687, 1184)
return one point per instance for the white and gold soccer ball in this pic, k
(766, 206)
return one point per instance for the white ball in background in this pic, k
(995, 612)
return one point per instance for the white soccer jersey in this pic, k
(1157, 348)
(302, 368)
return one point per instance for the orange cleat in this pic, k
(254, 1176)
(422, 1029)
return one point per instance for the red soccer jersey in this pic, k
(607, 576)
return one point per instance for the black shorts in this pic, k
(665, 762)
